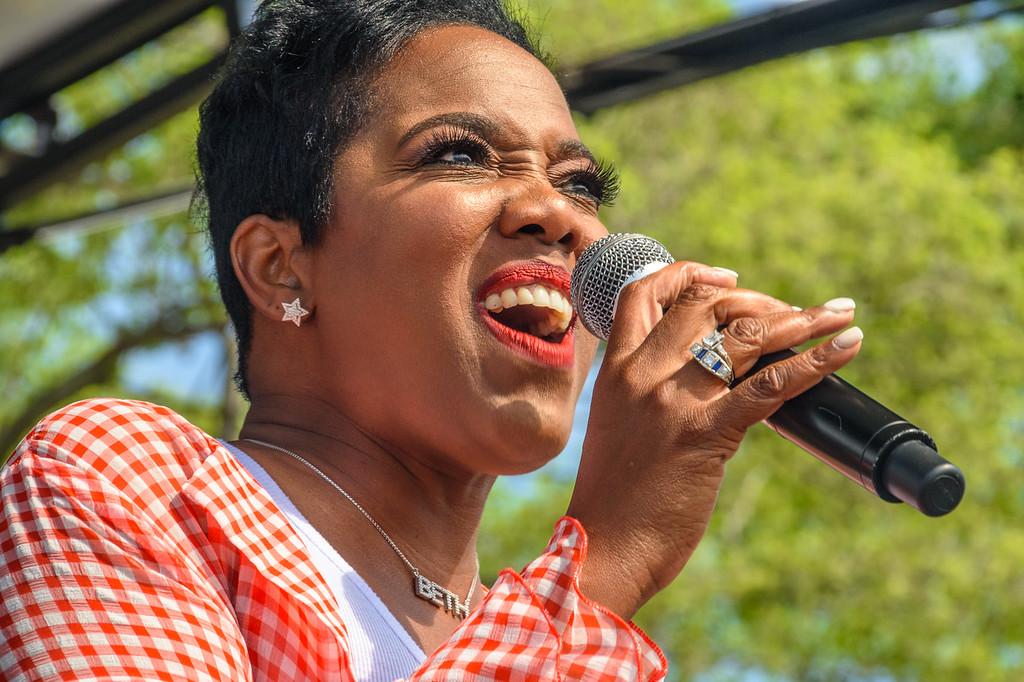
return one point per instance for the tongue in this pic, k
(522, 317)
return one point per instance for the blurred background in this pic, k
(871, 149)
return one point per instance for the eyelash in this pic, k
(444, 141)
(600, 179)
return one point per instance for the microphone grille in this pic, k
(603, 269)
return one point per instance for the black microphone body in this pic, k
(834, 421)
(867, 442)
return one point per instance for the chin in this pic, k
(513, 466)
(520, 449)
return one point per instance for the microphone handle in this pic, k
(867, 442)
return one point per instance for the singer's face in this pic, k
(467, 190)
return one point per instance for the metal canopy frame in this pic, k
(28, 83)
(751, 40)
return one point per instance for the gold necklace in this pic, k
(423, 587)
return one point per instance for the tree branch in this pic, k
(169, 327)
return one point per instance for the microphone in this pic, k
(833, 420)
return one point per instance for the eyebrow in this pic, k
(573, 149)
(481, 125)
(485, 127)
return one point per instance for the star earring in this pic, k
(294, 312)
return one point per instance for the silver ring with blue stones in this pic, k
(712, 357)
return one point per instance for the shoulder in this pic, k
(121, 441)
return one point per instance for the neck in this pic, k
(429, 508)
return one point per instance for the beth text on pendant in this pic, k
(439, 596)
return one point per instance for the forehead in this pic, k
(463, 68)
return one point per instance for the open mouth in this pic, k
(526, 307)
(534, 309)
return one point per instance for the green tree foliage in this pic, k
(78, 302)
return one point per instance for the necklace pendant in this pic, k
(424, 588)
(440, 597)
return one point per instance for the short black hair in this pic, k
(296, 88)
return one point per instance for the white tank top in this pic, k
(382, 651)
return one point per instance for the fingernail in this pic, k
(727, 271)
(840, 305)
(796, 308)
(849, 338)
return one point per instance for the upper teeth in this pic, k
(539, 296)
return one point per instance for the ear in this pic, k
(270, 261)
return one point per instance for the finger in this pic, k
(729, 308)
(748, 338)
(642, 304)
(702, 309)
(761, 394)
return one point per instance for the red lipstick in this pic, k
(556, 350)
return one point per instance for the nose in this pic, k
(540, 211)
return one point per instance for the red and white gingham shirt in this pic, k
(135, 547)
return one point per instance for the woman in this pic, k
(396, 196)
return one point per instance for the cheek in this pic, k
(440, 209)
(412, 254)
(436, 235)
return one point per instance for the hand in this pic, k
(662, 427)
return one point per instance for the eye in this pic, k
(461, 148)
(458, 157)
(596, 181)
